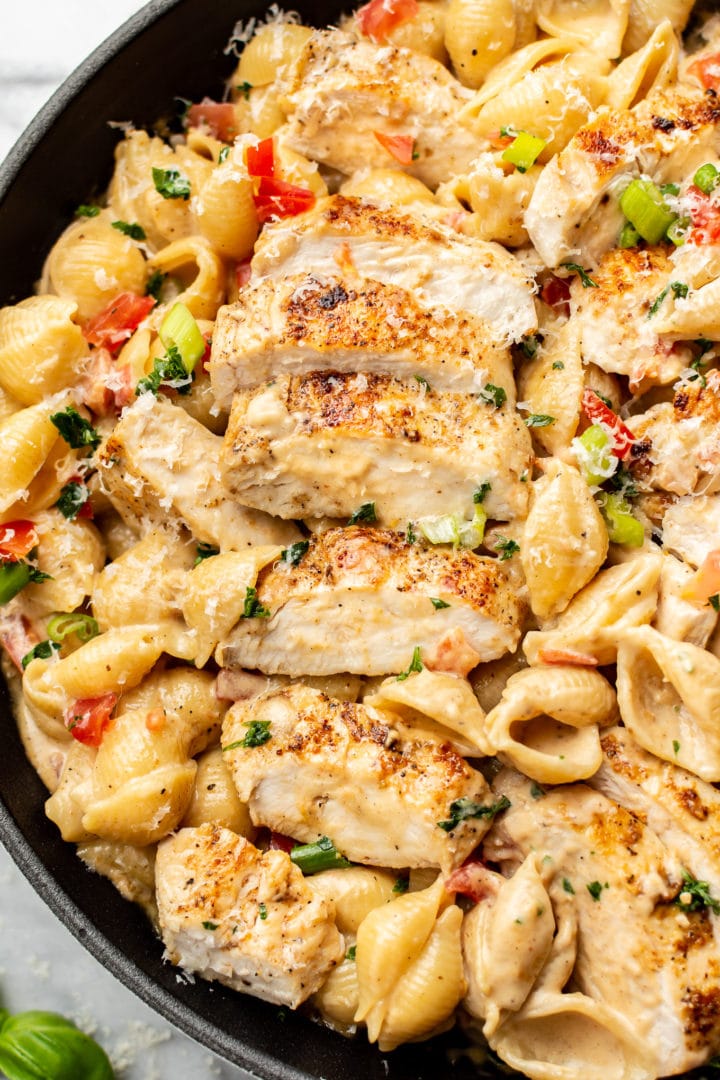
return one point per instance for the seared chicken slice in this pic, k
(437, 265)
(338, 769)
(682, 809)
(574, 211)
(361, 600)
(247, 918)
(677, 617)
(325, 443)
(691, 527)
(615, 331)
(343, 90)
(304, 323)
(160, 466)
(684, 451)
(636, 949)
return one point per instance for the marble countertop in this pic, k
(40, 44)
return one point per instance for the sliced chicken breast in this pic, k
(682, 809)
(338, 769)
(635, 947)
(304, 323)
(574, 211)
(437, 265)
(245, 917)
(325, 443)
(684, 439)
(691, 527)
(360, 600)
(161, 467)
(343, 90)
(616, 332)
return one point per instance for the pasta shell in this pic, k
(478, 34)
(593, 624)
(355, 892)
(132, 195)
(68, 803)
(146, 577)
(269, 52)
(565, 540)
(669, 697)
(41, 348)
(552, 385)
(546, 723)
(337, 998)
(43, 491)
(596, 24)
(448, 700)
(91, 263)
(215, 798)
(27, 438)
(390, 186)
(644, 17)
(424, 32)
(71, 552)
(146, 808)
(225, 211)
(649, 69)
(510, 70)
(188, 696)
(200, 271)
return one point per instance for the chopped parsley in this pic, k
(252, 608)
(695, 896)
(623, 482)
(42, 651)
(462, 809)
(262, 908)
(72, 498)
(84, 210)
(365, 513)
(438, 604)
(295, 552)
(223, 155)
(75, 429)
(171, 184)
(530, 345)
(402, 884)
(506, 547)
(257, 734)
(539, 420)
(423, 382)
(480, 493)
(154, 284)
(204, 551)
(168, 370)
(587, 281)
(210, 925)
(244, 88)
(595, 889)
(679, 290)
(714, 601)
(35, 574)
(350, 954)
(493, 395)
(558, 365)
(536, 791)
(415, 665)
(676, 746)
(568, 886)
(410, 534)
(129, 228)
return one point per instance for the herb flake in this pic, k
(506, 547)
(171, 184)
(493, 395)
(75, 429)
(252, 608)
(535, 420)
(587, 281)
(42, 651)
(293, 554)
(72, 498)
(695, 895)
(416, 664)
(129, 228)
(438, 604)
(364, 514)
(462, 809)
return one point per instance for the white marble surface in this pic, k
(40, 43)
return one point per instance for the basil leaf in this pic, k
(41, 1045)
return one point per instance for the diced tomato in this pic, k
(261, 159)
(155, 720)
(280, 842)
(379, 17)
(705, 217)
(473, 879)
(399, 146)
(243, 272)
(567, 656)
(113, 326)
(205, 358)
(452, 653)
(556, 293)
(707, 71)
(219, 117)
(706, 581)
(18, 636)
(87, 718)
(498, 140)
(17, 539)
(276, 199)
(598, 412)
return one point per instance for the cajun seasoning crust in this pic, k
(340, 769)
(411, 450)
(210, 887)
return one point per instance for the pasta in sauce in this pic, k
(360, 536)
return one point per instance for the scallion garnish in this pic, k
(622, 526)
(643, 205)
(629, 236)
(524, 150)
(706, 178)
(72, 622)
(322, 855)
(179, 331)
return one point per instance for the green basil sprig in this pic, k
(39, 1045)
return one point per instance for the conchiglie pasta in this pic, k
(187, 694)
(67, 805)
(392, 186)
(61, 465)
(591, 627)
(200, 271)
(215, 798)
(91, 263)
(546, 723)
(224, 211)
(132, 195)
(478, 34)
(649, 69)
(423, 32)
(552, 384)
(565, 540)
(269, 52)
(145, 578)
(41, 348)
(498, 198)
(337, 998)
(669, 697)
(511, 70)
(27, 437)
(71, 552)
(596, 24)
(645, 15)
(294, 168)
(355, 892)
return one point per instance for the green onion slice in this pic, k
(14, 576)
(629, 236)
(179, 330)
(622, 526)
(524, 150)
(322, 855)
(706, 178)
(643, 205)
(593, 453)
(72, 622)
